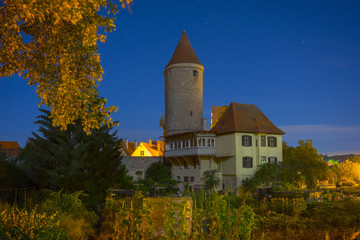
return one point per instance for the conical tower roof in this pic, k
(184, 53)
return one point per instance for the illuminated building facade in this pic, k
(188, 146)
(233, 147)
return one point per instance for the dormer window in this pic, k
(195, 73)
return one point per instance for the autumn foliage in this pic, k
(53, 44)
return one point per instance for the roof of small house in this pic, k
(156, 149)
(129, 149)
(9, 145)
(246, 118)
(10, 148)
(184, 53)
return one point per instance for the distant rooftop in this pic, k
(10, 148)
(129, 147)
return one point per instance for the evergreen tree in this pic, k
(73, 160)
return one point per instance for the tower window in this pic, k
(169, 73)
(190, 113)
(195, 73)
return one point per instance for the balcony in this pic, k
(191, 144)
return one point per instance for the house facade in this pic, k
(245, 139)
(150, 149)
(138, 158)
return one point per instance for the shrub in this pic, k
(127, 219)
(223, 220)
(177, 219)
(288, 206)
(352, 205)
(75, 219)
(23, 224)
(331, 214)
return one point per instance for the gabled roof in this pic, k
(184, 53)
(129, 149)
(216, 113)
(245, 118)
(153, 149)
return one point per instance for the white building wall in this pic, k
(230, 154)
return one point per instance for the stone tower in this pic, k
(184, 91)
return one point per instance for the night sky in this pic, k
(297, 60)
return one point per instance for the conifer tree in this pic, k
(73, 160)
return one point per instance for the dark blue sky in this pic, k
(297, 60)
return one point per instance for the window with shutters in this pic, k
(247, 162)
(263, 160)
(272, 142)
(263, 141)
(246, 141)
(273, 160)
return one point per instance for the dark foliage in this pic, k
(158, 172)
(74, 161)
(12, 177)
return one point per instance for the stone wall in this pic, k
(135, 164)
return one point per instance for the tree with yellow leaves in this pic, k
(349, 173)
(53, 44)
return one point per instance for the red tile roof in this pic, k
(216, 113)
(9, 145)
(184, 53)
(245, 118)
(10, 148)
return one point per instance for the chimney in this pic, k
(135, 144)
(126, 143)
(204, 124)
(150, 142)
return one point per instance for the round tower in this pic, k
(183, 90)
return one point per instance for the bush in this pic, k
(331, 214)
(224, 218)
(352, 205)
(22, 224)
(127, 219)
(75, 219)
(288, 206)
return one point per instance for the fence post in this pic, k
(16, 197)
(34, 195)
(25, 198)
